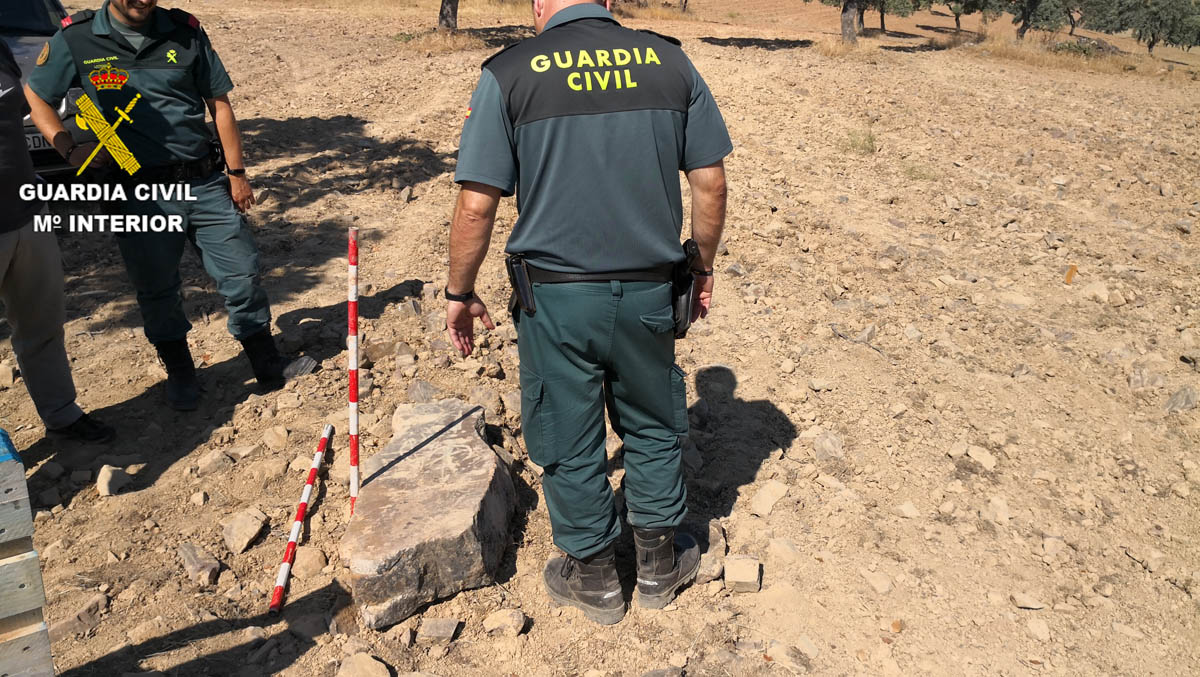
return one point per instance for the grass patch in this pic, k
(834, 48)
(439, 42)
(861, 142)
(919, 172)
(1052, 51)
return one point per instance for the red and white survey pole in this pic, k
(289, 553)
(352, 346)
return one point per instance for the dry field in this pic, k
(990, 461)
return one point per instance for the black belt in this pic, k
(173, 173)
(663, 273)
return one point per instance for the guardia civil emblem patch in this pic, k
(45, 55)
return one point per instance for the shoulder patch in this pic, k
(183, 18)
(673, 41)
(45, 55)
(489, 59)
(78, 18)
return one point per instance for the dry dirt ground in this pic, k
(961, 432)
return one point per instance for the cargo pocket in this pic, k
(660, 321)
(533, 417)
(679, 399)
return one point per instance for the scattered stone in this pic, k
(712, 560)
(958, 449)
(997, 511)
(907, 510)
(505, 622)
(1128, 631)
(363, 665)
(897, 410)
(276, 438)
(982, 456)
(213, 461)
(52, 470)
(241, 530)
(787, 366)
(788, 657)
(309, 627)
(309, 562)
(783, 550)
(301, 463)
(912, 333)
(287, 400)
(879, 581)
(828, 446)
(200, 566)
(243, 452)
(766, 497)
(1038, 629)
(819, 384)
(402, 635)
(111, 479)
(743, 573)
(1024, 600)
(436, 464)
(84, 619)
(423, 392)
(1096, 291)
(147, 630)
(1184, 399)
(50, 497)
(437, 630)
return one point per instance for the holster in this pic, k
(682, 287)
(518, 276)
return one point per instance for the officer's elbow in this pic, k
(708, 183)
(477, 203)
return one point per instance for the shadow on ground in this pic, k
(769, 44)
(498, 37)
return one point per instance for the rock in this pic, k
(819, 384)
(787, 366)
(437, 630)
(199, 498)
(276, 438)
(983, 457)
(308, 627)
(83, 620)
(1038, 629)
(912, 333)
(375, 350)
(907, 510)
(1024, 600)
(241, 530)
(1096, 291)
(200, 566)
(743, 573)
(52, 470)
(147, 630)
(997, 511)
(111, 479)
(487, 398)
(287, 400)
(301, 463)
(1184, 399)
(788, 657)
(712, 560)
(505, 622)
(402, 635)
(878, 581)
(828, 447)
(363, 665)
(1116, 299)
(309, 562)
(958, 449)
(50, 497)
(422, 392)
(81, 476)
(436, 464)
(242, 452)
(663, 672)
(783, 550)
(766, 497)
(213, 461)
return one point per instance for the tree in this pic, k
(448, 15)
(1043, 15)
(895, 8)
(1152, 22)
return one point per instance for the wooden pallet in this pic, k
(24, 639)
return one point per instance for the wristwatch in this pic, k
(236, 172)
(459, 298)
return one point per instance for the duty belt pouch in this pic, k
(518, 275)
(682, 286)
(217, 152)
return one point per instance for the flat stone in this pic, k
(879, 581)
(505, 622)
(308, 627)
(712, 560)
(200, 566)
(788, 657)
(242, 452)
(907, 510)
(1023, 600)
(997, 511)
(437, 630)
(743, 573)
(53, 470)
(148, 630)
(422, 392)
(287, 400)
(1038, 629)
(276, 438)
(783, 550)
(213, 461)
(363, 665)
(828, 447)
(437, 464)
(241, 530)
(982, 456)
(85, 618)
(766, 497)
(1184, 399)
(309, 562)
(111, 479)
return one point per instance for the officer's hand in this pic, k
(239, 190)
(702, 292)
(84, 150)
(460, 323)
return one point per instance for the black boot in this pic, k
(590, 585)
(666, 561)
(183, 388)
(271, 369)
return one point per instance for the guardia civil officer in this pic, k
(590, 123)
(31, 278)
(153, 73)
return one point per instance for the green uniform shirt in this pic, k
(175, 70)
(589, 123)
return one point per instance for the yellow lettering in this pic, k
(651, 57)
(573, 82)
(587, 77)
(558, 60)
(617, 79)
(621, 56)
(540, 63)
(602, 58)
(603, 81)
(637, 56)
(629, 83)
(585, 60)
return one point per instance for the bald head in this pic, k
(544, 9)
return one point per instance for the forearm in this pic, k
(470, 235)
(48, 123)
(228, 133)
(708, 211)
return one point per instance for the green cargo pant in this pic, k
(223, 240)
(592, 344)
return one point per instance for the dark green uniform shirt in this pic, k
(589, 123)
(175, 70)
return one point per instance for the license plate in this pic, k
(35, 141)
